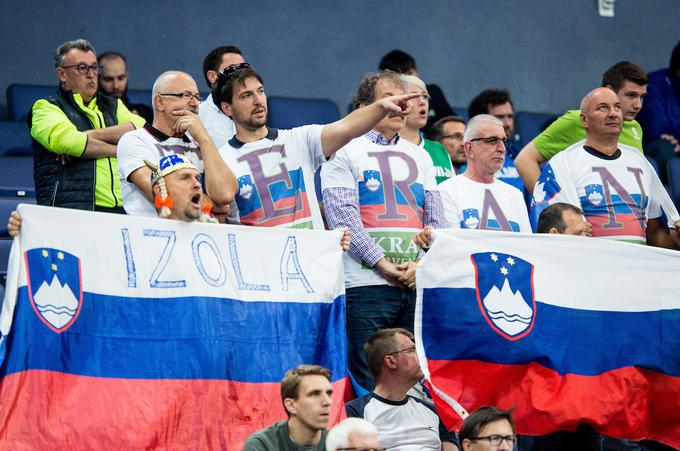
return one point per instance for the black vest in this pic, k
(70, 185)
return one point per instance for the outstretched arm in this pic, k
(362, 120)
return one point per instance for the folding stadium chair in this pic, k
(20, 99)
(15, 139)
(286, 112)
(530, 125)
(5, 246)
(674, 180)
(16, 177)
(460, 111)
(654, 164)
(139, 96)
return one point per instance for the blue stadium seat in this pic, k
(16, 177)
(6, 207)
(139, 96)
(674, 180)
(460, 111)
(15, 139)
(530, 125)
(5, 247)
(654, 164)
(20, 99)
(286, 112)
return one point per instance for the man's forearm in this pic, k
(341, 206)
(527, 164)
(96, 148)
(220, 182)
(111, 134)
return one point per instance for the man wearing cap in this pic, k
(176, 187)
(176, 129)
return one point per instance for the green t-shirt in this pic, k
(567, 130)
(441, 160)
(276, 438)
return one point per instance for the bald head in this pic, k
(601, 114)
(170, 81)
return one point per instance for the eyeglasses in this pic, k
(187, 96)
(454, 136)
(83, 69)
(496, 440)
(409, 350)
(492, 140)
(353, 448)
(228, 72)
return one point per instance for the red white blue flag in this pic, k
(142, 333)
(565, 330)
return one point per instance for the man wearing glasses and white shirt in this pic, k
(476, 199)
(75, 132)
(220, 127)
(176, 129)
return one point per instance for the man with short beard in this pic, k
(113, 81)
(176, 129)
(275, 168)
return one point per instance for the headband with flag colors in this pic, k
(167, 165)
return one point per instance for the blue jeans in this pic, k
(370, 309)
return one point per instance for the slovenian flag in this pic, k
(565, 330)
(142, 333)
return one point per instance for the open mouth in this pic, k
(196, 200)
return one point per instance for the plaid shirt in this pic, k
(341, 207)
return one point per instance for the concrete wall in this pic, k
(548, 53)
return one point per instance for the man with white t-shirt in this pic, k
(176, 129)
(383, 189)
(220, 127)
(404, 422)
(615, 186)
(275, 168)
(476, 199)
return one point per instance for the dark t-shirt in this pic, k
(276, 438)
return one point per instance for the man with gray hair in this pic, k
(75, 132)
(383, 189)
(176, 129)
(353, 434)
(476, 199)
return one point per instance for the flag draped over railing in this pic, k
(564, 329)
(137, 333)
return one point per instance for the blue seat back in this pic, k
(137, 96)
(16, 177)
(14, 138)
(674, 180)
(462, 112)
(530, 125)
(21, 97)
(286, 112)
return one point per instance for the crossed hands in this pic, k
(402, 274)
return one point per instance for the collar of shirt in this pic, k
(272, 134)
(378, 138)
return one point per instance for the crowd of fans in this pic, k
(397, 166)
